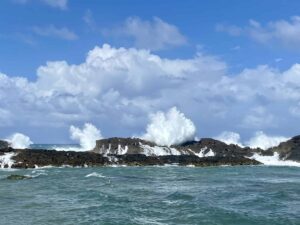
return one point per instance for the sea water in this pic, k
(152, 195)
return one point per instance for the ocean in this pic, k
(152, 195)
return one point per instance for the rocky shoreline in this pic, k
(137, 152)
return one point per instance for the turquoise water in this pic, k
(152, 195)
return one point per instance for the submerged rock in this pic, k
(18, 177)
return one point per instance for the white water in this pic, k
(170, 128)
(19, 141)
(95, 174)
(264, 141)
(274, 160)
(6, 160)
(201, 154)
(158, 150)
(86, 136)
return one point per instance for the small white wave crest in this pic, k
(95, 174)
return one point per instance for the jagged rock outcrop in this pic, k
(288, 150)
(135, 151)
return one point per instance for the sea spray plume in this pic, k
(263, 141)
(229, 137)
(169, 128)
(19, 141)
(86, 136)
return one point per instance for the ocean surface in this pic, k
(152, 195)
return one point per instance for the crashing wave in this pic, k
(6, 160)
(202, 153)
(158, 150)
(273, 160)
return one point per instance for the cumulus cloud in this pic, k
(169, 128)
(55, 32)
(154, 34)
(229, 137)
(118, 87)
(86, 136)
(19, 141)
(263, 141)
(285, 32)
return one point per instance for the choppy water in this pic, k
(152, 195)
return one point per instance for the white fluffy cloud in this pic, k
(285, 32)
(154, 34)
(119, 87)
(263, 141)
(86, 136)
(170, 128)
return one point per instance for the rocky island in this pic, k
(138, 152)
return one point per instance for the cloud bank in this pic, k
(169, 128)
(118, 87)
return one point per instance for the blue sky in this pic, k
(246, 51)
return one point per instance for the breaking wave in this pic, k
(169, 128)
(274, 160)
(86, 136)
(263, 141)
(19, 141)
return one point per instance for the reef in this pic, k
(138, 152)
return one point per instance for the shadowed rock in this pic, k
(288, 150)
(4, 144)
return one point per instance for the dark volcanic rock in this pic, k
(31, 158)
(120, 145)
(3, 144)
(219, 148)
(17, 177)
(289, 150)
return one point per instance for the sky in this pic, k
(227, 65)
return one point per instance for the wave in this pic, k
(6, 160)
(95, 174)
(274, 160)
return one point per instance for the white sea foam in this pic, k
(201, 154)
(86, 136)
(19, 141)
(158, 150)
(263, 141)
(169, 128)
(95, 174)
(229, 137)
(274, 160)
(6, 160)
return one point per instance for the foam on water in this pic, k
(274, 160)
(6, 160)
(159, 151)
(201, 154)
(95, 174)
